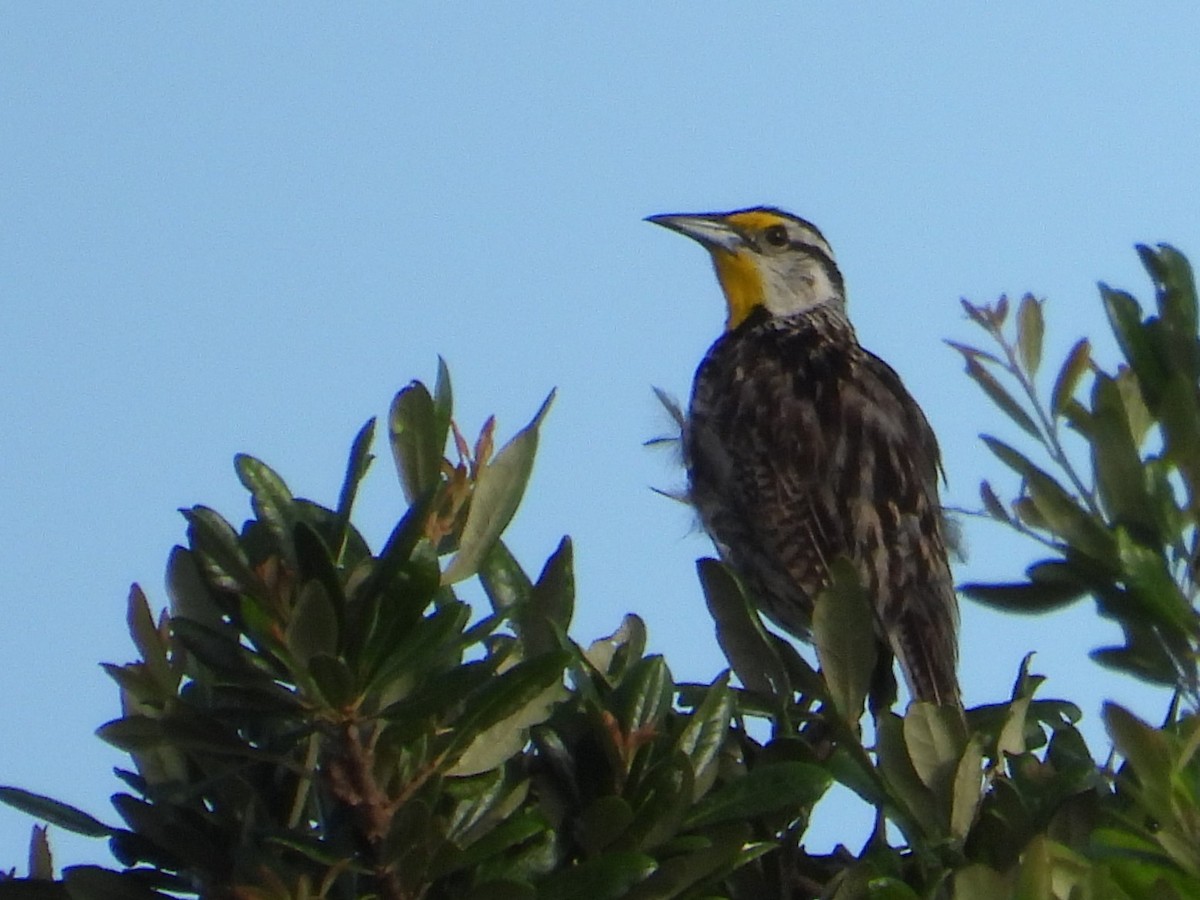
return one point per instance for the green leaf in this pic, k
(356, 469)
(1149, 753)
(146, 637)
(1030, 328)
(498, 491)
(935, 738)
(313, 626)
(1001, 397)
(764, 789)
(271, 500)
(1148, 577)
(219, 552)
(1062, 514)
(1179, 412)
(55, 812)
(1120, 477)
(519, 692)
(1136, 414)
(644, 697)
(705, 733)
(690, 861)
(740, 633)
(496, 744)
(918, 803)
(1125, 319)
(843, 629)
(418, 443)
(626, 645)
(968, 788)
(1175, 290)
(1072, 370)
(508, 833)
(503, 579)
(979, 882)
(1011, 739)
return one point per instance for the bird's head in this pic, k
(764, 257)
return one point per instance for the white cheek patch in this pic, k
(792, 286)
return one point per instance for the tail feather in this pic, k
(923, 638)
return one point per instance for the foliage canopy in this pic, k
(311, 719)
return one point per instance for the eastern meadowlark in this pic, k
(801, 447)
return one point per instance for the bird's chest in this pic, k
(771, 390)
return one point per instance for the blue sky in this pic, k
(243, 227)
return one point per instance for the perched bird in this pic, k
(802, 447)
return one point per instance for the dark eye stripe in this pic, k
(820, 255)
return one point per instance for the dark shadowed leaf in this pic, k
(1175, 290)
(1141, 659)
(333, 678)
(607, 877)
(992, 503)
(41, 860)
(766, 788)
(189, 596)
(547, 614)
(313, 627)
(498, 491)
(356, 469)
(603, 821)
(1023, 597)
(96, 883)
(55, 812)
(842, 615)
(271, 499)
(1125, 319)
(219, 552)
(417, 445)
(218, 649)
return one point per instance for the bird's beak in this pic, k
(714, 232)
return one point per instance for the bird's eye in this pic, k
(776, 236)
